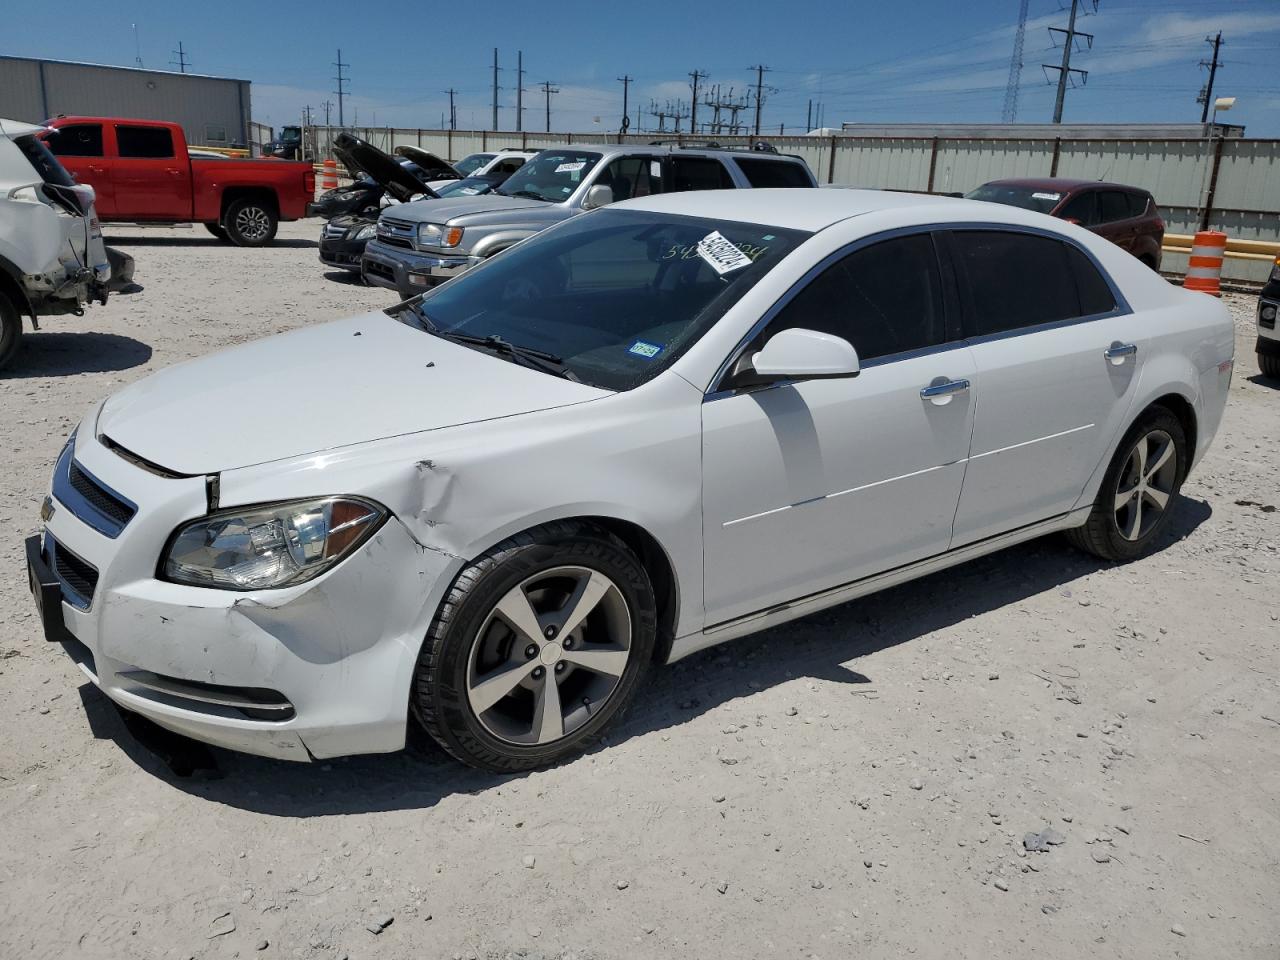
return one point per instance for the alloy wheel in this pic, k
(549, 655)
(252, 223)
(1145, 484)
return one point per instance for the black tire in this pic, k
(1101, 534)
(439, 697)
(10, 330)
(217, 231)
(251, 222)
(1269, 364)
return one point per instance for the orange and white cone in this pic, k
(1204, 268)
(329, 179)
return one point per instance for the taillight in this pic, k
(1160, 223)
(309, 181)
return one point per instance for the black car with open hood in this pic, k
(376, 173)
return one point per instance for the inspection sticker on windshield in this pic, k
(644, 349)
(470, 191)
(571, 167)
(1047, 196)
(722, 253)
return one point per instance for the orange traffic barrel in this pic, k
(329, 179)
(1204, 268)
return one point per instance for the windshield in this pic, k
(552, 175)
(615, 296)
(470, 164)
(468, 187)
(1028, 198)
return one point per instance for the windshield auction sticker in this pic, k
(722, 253)
(1047, 196)
(571, 167)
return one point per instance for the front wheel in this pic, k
(539, 645)
(1138, 491)
(250, 223)
(10, 330)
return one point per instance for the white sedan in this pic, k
(656, 427)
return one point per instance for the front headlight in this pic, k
(366, 233)
(438, 235)
(276, 545)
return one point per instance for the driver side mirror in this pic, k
(598, 195)
(798, 354)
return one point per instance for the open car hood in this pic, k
(432, 165)
(360, 157)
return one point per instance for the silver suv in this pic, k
(419, 245)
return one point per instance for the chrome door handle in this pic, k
(941, 393)
(1118, 352)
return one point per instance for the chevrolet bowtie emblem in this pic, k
(46, 509)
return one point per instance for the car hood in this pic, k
(474, 209)
(357, 155)
(319, 388)
(434, 167)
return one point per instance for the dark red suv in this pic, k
(1127, 216)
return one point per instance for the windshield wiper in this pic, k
(525, 356)
(525, 193)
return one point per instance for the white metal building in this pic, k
(211, 110)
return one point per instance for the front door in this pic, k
(81, 149)
(1058, 357)
(813, 484)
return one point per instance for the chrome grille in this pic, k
(102, 499)
(88, 498)
(397, 233)
(79, 579)
(333, 232)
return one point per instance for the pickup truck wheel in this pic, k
(250, 223)
(1269, 365)
(537, 647)
(217, 231)
(10, 331)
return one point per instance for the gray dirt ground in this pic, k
(859, 781)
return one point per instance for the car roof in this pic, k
(667, 150)
(793, 208)
(1062, 184)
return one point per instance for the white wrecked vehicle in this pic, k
(52, 259)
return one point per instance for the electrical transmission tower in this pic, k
(725, 109)
(1206, 92)
(1066, 70)
(1010, 112)
(181, 62)
(342, 90)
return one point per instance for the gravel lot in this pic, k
(861, 780)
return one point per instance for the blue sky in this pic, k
(914, 60)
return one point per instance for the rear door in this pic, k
(151, 181)
(82, 149)
(1116, 220)
(1058, 356)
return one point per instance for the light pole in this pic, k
(1206, 186)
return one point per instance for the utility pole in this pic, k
(519, 90)
(1206, 93)
(693, 113)
(453, 113)
(181, 62)
(760, 70)
(808, 120)
(341, 91)
(328, 105)
(626, 81)
(1065, 70)
(548, 90)
(495, 89)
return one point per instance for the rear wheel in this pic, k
(250, 223)
(217, 231)
(10, 330)
(1138, 491)
(1269, 364)
(539, 645)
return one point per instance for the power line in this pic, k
(181, 62)
(1206, 92)
(1010, 112)
(1066, 70)
(548, 90)
(341, 91)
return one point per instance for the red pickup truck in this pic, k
(142, 173)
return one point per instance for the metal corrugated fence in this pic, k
(1232, 184)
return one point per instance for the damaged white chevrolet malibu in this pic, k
(658, 426)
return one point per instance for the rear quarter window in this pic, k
(1138, 204)
(773, 173)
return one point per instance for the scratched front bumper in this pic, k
(340, 648)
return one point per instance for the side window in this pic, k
(773, 173)
(1095, 293)
(510, 165)
(632, 177)
(79, 140)
(884, 299)
(698, 173)
(1082, 208)
(1013, 280)
(1138, 204)
(149, 142)
(1113, 205)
